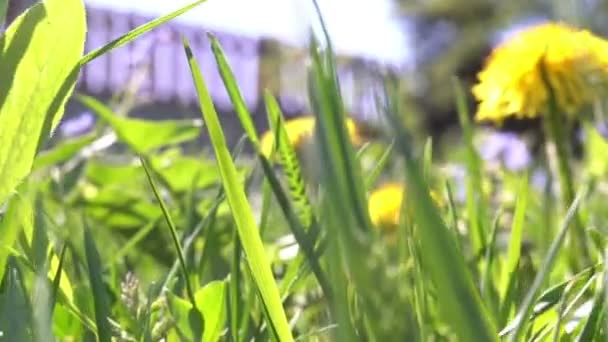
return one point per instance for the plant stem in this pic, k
(558, 134)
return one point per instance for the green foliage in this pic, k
(39, 56)
(123, 234)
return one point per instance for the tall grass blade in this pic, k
(461, 306)
(526, 306)
(509, 274)
(173, 229)
(241, 210)
(289, 161)
(232, 88)
(100, 297)
(593, 324)
(135, 33)
(476, 210)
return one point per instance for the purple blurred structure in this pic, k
(157, 62)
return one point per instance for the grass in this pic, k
(148, 243)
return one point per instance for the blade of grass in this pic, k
(375, 173)
(126, 248)
(509, 274)
(241, 210)
(173, 230)
(461, 306)
(138, 31)
(235, 285)
(100, 297)
(526, 306)
(594, 322)
(486, 279)
(475, 200)
(233, 91)
(290, 163)
(306, 245)
(427, 159)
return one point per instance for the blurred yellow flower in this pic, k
(384, 204)
(511, 84)
(300, 130)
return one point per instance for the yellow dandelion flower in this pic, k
(511, 84)
(300, 130)
(384, 204)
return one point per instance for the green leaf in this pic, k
(100, 297)
(64, 151)
(211, 300)
(181, 173)
(39, 66)
(241, 210)
(144, 135)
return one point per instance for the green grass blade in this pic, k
(476, 209)
(233, 91)
(173, 229)
(594, 321)
(138, 31)
(15, 312)
(461, 306)
(241, 210)
(376, 171)
(427, 159)
(57, 278)
(236, 302)
(289, 161)
(509, 273)
(303, 239)
(100, 297)
(526, 306)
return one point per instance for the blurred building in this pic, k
(154, 73)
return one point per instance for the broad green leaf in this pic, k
(180, 173)
(241, 210)
(39, 67)
(144, 135)
(211, 300)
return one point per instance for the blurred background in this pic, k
(423, 42)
